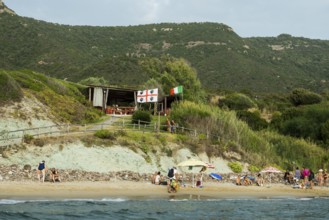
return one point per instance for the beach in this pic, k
(145, 190)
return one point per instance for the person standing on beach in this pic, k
(173, 125)
(202, 171)
(168, 125)
(297, 174)
(325, 177)
(320, 177)
(311, 179)
(172, 184)
(41, 169)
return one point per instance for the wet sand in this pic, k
(145, 190)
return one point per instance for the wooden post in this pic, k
(165, 105)
(158, 122)
(89, 94)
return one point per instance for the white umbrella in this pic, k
(270, 170)
(192, 163)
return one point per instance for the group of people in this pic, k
(307, 178)
(249, 180)
(170, 180)
(42, 171)
(171, 126)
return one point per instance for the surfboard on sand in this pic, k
(215, 176)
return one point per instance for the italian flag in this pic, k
(176, 90)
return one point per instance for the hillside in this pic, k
(223, 60)
(230, 137)
(30, 100)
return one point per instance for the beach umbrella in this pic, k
(211, 166)
(192, 163)
(270, 170)
(215, 176)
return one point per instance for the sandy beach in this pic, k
(145, 190)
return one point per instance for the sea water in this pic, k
(116, 208)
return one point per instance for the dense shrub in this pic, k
(237, 101)
(253, 119)
(9, 89)
(304, 122)
(236, 167)
(291, 150)
(325, 133)
(105, 134)
(253, 169)
(27, 138)
(304, 97)
(142, 117)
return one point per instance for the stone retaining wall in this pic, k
(14, 173)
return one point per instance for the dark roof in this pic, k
(114, 88)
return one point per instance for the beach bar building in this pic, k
(113, 100)
(122, 101)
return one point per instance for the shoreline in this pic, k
(129, 190)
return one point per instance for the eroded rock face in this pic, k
(232, 155)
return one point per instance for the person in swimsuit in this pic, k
(41, 169)
(55, 175)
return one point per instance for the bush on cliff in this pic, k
(142, 117)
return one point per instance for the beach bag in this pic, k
(171, 173)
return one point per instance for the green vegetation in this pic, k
(64, 99)
(105, 134)
(304, 97)
(141, 117)
(28, 138)
(237, 101)
(259, 148)
(170, 72)
(221, 58)
(10, 90)
(308, 122)
(253, 119)
(236, 167)
(97, 81)
(272, 91)
(254, 169)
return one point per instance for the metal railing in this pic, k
(115, 123)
